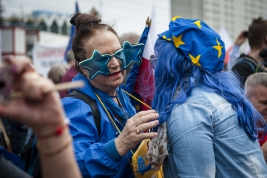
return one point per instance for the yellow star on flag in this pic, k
(168, 39)
(198, 23)
(137, 107)
(176, 17)
(195, 59)
(178, 41)
(218, 47)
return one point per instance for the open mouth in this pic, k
(114, 73)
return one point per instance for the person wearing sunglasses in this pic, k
(101, 62)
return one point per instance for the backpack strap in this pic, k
(253, 64)
(92, 103)
(258, 66)
(29, 152)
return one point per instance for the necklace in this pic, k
(119, 102)
(115, 96)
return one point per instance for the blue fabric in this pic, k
(72, 32)
(110, 104)
(197, 41)
(206, 140)
(14, 158)
(111, 149)
(9, 170)
(89, 149)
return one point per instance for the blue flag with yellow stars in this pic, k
(197, 41)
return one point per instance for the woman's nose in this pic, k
(114, 62)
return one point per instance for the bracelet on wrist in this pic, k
(58, 131)
(55, 151)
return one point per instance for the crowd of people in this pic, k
(205, 122)
(255, 61)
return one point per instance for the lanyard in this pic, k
(137, 99)
(110, 118)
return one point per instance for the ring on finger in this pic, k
(137, 130)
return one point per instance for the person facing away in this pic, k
(71, 72)
(256, 91)
(207, 126)
(101, 62)
(252, 63)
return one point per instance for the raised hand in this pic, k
(41, 111)
(133, 131)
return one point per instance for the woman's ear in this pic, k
(85, 72)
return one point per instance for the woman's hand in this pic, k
(41, 111)
(132, 133)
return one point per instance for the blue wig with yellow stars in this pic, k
(191, 54)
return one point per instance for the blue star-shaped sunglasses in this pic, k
(97, 64)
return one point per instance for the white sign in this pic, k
(46, 55)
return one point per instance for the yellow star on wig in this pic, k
(178, 41)
(195, 59)
(168, 39)
(198, 23)
(176, 17)
(218, 48)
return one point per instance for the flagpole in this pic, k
(72, 32)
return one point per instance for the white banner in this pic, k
(46, 55)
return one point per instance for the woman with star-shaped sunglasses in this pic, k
(101, 62)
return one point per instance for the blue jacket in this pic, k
(96, 157)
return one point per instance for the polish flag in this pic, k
(141, 79)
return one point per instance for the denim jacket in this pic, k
(205, 140)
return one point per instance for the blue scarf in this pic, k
(124, 113)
